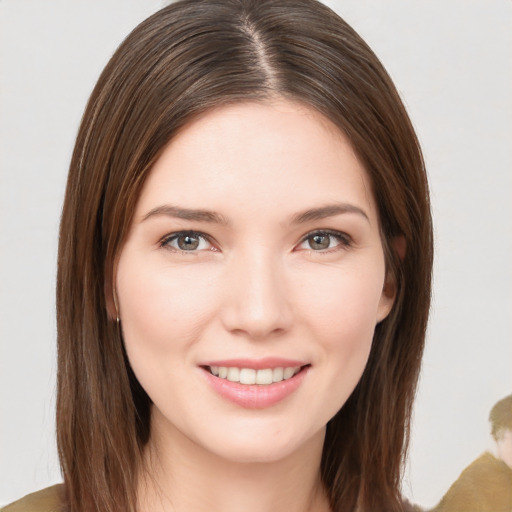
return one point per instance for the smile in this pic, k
(250, 376)
(255, 384)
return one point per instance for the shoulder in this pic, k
(484, 485)
(46, 500)
(487, 465)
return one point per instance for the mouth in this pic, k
(252, 376)
(255, 384)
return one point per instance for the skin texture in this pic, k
(254, 287)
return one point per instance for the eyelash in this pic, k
(345, 241)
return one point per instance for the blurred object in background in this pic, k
(486, 484)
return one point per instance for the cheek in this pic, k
(339, 314)
(343, 305)
(162, 311)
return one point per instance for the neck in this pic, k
(181, 476)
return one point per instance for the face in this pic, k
(251, 281)
(504, 443)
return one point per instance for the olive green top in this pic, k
(50, 500)
(484, 486)
(47, 500)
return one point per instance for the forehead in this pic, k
(255, 157)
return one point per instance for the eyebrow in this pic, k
(186, 214)
(308, 215)
(327, 211)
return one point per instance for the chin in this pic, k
(254, 454)
(263, 446)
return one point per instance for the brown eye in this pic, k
(187, 242)
(325, 241)
(319, 241)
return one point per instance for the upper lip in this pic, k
(256, 364)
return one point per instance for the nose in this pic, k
(257, 304)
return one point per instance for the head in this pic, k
(500, 418)
(187, 62)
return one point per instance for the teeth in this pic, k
(288, 372)
(234, 374)
(250, 376)
(278, 374)
(264, 376)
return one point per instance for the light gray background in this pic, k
(452, 63)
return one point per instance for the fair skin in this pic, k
(254, 251)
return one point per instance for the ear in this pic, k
(389, 290)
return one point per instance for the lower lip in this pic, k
(256, 396)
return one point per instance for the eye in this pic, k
(325, 241)
(187, 241)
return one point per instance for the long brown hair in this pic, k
(187, 58)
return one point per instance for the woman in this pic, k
(244, 270)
